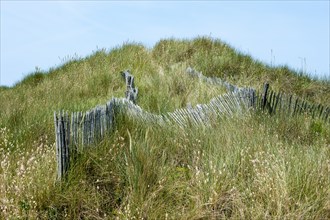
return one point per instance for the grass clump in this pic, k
(144, 171)
(251, 167)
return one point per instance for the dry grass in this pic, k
(252, 167)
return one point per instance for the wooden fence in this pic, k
(213, 80)
(281, 103)
(271, 101)
(78, 130)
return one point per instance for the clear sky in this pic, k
(45, 33)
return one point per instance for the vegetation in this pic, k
(254, 166)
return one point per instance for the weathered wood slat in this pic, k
(58, 146)
(67, 141)
(63, 147)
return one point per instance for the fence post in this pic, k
(277, 97)
(271, 101)
(264, 96)
(63, 143)
(57, 122)
(67, 142)
(295, 106)
(289, 108)
(131, 91)
(253, 98)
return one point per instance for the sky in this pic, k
(45, 34)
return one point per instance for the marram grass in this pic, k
(242, 167)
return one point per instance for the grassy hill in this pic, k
(251, 167)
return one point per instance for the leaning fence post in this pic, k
(264, 96)
(289, 108)
(276, 99)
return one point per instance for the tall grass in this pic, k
(251, 167)
(240, 168)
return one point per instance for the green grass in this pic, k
(244, 167)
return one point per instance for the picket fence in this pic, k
(78, 130)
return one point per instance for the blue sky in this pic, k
(45, 33)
